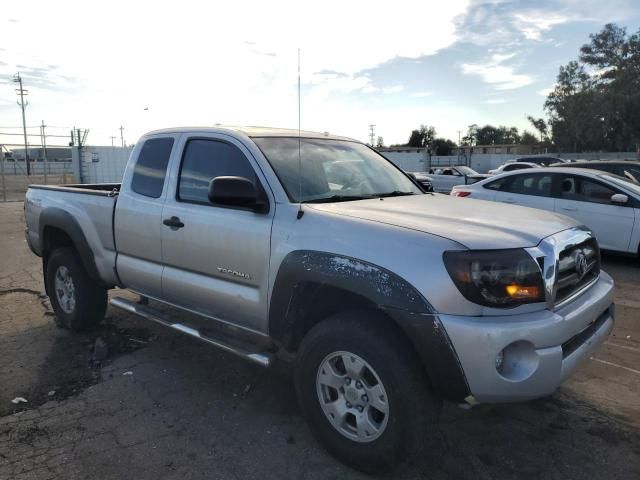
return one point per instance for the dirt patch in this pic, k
(42, 362)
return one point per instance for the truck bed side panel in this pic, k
(92, 212)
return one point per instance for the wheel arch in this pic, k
(312, 285)
(59, 228)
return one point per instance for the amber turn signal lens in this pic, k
(517, 291)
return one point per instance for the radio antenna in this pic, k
(300, 211)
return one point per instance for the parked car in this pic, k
(385, 299)
(623, 168)
(423, 180)
(543, 161)
(512, 166)
(444, 178)
(608, 204)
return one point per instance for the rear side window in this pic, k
(151, 167)
(538, 185)
(204, 160)
(499, 184)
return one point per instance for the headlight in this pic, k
(496, 278)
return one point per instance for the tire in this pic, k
(370, 339)
(78, 301)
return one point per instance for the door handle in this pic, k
(173, 222)
(569, 209)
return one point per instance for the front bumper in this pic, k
(541, 349)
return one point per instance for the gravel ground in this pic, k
(159, 405)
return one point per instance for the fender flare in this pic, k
(63, 220)
(388, 292)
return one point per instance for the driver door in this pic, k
(217, 262)
(589, 201)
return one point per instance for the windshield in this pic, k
(332, 170)
(467, 171)
(623, 183)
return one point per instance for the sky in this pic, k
(396, 64)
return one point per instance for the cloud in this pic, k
(532, 24)
(331, 72)
(495, 101)
(545, 91)
(394, 89)
(512, 24)
(492, 71)
(421, 94)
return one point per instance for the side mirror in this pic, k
(236, 192)
(619, 198)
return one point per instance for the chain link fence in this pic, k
(46, 160)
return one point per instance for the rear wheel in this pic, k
(363, 391)
(78, 301)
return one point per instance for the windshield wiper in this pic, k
(395, 193)
(338, 198)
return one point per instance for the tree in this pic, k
(571, 108)
(423, 137)
(540, 125)
(490, 135)
(528, 138)
(380, 142)
(596, 100)
(470, 139)
(442, 146)
(415, 139)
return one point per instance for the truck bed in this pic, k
(89, 208)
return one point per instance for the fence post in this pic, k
(4, 187)
(44, 151)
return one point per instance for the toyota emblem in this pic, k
(581, 265)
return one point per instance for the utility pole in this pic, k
(112, 139)
(22, 92)
(372, 133)
(44, 150)
(459, 132)
(122, 135)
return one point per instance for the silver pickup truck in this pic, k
(316, 250)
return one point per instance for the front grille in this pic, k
(578, 265)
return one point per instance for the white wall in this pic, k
(101, 164)
(408, 161)
(482, 163)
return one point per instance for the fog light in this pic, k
(518, 361)
(499, 360)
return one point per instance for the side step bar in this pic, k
(149, 313)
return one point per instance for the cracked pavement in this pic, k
(164, 406)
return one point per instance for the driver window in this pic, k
(204, 160)
(584, 190)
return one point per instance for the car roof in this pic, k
(252, 131)
(589, 172)
(606, 162)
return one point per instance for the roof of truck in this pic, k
(251, 131)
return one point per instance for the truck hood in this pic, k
(476, 224)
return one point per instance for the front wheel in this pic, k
(363, 391)
(79, 302)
